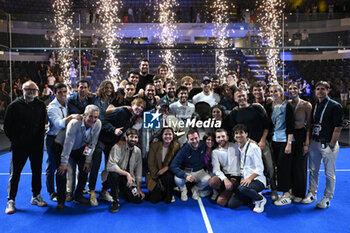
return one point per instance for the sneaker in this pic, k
(53, 196)
(105, 196)
(93, 200)
(259, 205)
(195, 193)
(38, 200)
(173, 198)
(184, 195)
(10, 208)
(274, 195)
(214, 196)
(114, 208)
(82, 200)
(60, 206)
(69, 197)
(283, 201)
(310, 197)
(324, 203)
(204, 193)
(297, 199)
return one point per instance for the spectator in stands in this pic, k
(58, 119)
(188, 166)
(160, 179)
(125, 171)
(4, 94)
(85, 63)
(297, 38)
(170, 89)
(51, 81)
(206, 95)
(73, 73)
(253, 180)
(330, 10)
(76, 143)
(327, 125)
(225, 162)
(343, 90)
(159, 85)
(130, 15)
(302, 116)
(24, 125)
(46, 93)
(304, 38)
(282, 119)
(145, 77)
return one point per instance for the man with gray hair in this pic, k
(76, 142)
(24, 125)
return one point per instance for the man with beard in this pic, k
(206, 95)
(188, 166)
(182, 109)
(125, 171)
(145, 77)
(122, 101)
(150, 98)
(170, 89)
(225, 161)
(24, 125)
(78, 101)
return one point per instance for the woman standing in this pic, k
(160, 180)
(282, 119)
(302, 117)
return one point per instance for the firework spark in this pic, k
(220, 32)
(108, 11)
(63, 21)
(167, 35)
(270, 17)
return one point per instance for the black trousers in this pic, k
(284, 166)
(18, 160)
(245, 195)
(61, 180)
(118, 183)
(299, 167)
(168, 183)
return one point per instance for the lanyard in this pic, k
(245, 156)
(322, 113)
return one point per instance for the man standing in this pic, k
(206, 95)
(77, 142)
(182, 109)
(188, 166)
(78, 101)
(327, 123)
(58, 119)
(24, 125)
(125, 170)
(225, 161)
(145, 77)
(150, 98)
(170, 89)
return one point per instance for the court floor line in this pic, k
(29, 173)
(205, 216)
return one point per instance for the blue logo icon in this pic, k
(151, 120)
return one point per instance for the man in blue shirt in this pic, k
(188, 166)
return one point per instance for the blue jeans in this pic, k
(50, 164)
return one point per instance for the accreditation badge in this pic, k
(316, 130)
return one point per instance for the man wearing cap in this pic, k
(327, 120)
(207, 95)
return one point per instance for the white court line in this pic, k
(205, 216)
(29, 173)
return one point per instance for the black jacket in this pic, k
(24, 124)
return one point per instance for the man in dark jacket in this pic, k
(24, 125)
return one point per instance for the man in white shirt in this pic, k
(253, 180)
(182, 108)
(207, 94)
(225, 161)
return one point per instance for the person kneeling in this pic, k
(253, 180)
(125, 171)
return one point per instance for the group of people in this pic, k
(253, 141)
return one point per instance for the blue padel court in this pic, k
(191, 216)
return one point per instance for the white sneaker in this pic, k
(93, 200)
(297, 199)
(214, 196)
(173, 199)
(283, 201)
(324, 203)
(104, 195)
(310, 197)
(38, 200)
(195, 193)
(259, 205)
(204, 193)
(184, 194)
(274, 195)
(10, 208)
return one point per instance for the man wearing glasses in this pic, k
(327, 120)
(24, 125)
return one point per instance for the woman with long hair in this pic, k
(282, 118)
(211, 144)
(302, 117)
(159, 179)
